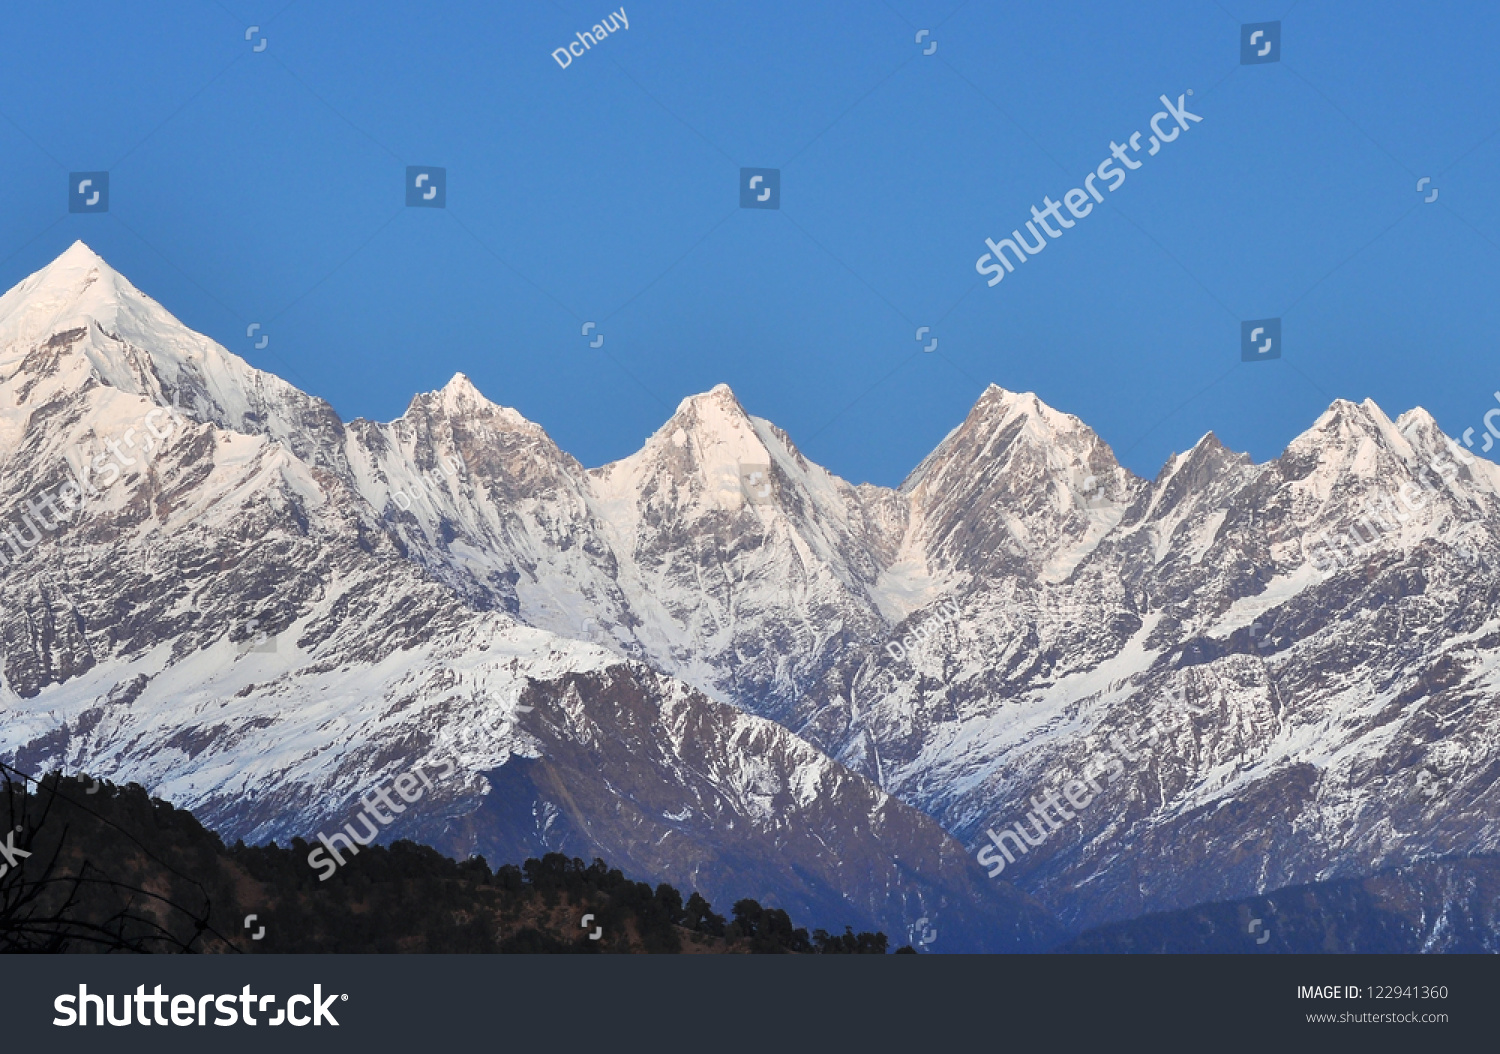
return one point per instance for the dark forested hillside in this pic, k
(99, 868)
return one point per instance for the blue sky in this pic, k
(269, 187)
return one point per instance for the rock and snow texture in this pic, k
(1287, 708)
(212, 586)
(1298, 658)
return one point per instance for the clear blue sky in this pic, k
(268, 186)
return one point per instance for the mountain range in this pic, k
(720, 666)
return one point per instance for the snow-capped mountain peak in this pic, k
(715, 429)
(1017, 483)
(460, 390)
(74, 289)
(81, 298)
(78, 320)
(461, 402)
